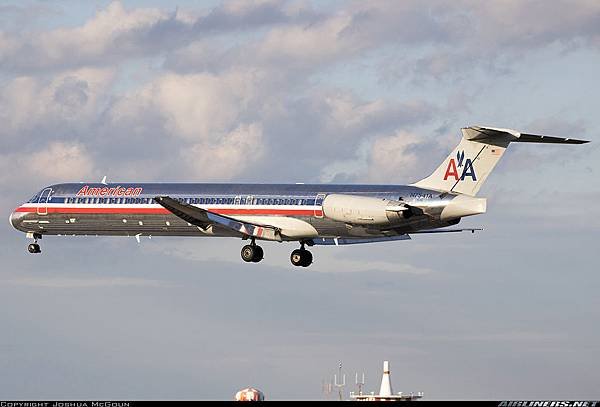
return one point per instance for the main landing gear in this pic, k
(35, 247)
(301, 257)
(252, 253)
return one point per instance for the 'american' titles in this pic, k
(106, 191)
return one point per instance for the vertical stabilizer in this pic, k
(465, 170)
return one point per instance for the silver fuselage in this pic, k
(127, 209)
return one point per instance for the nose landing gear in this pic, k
(35, 247)
(301, 257)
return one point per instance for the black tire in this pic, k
(307, 258)
(248, 253)
(258, 254)
(296, 257)
(34, 248)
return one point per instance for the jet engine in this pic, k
(363, 210)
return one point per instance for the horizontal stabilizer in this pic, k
(203, 218)
(492, 135)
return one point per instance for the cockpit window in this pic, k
(35, 197)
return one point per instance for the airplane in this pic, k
(317, 214)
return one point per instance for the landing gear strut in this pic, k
(35, 247)
(252, 253)
(301, 257)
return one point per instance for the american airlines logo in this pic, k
(106, 191)
(466, 166)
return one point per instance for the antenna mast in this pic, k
(361, 383)
(341, 385)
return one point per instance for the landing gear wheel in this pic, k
(301, 258)
(308, 258)
(34, 248)
(252, 253)
(258, 254)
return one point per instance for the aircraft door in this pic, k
(42, 208)
(319, 205)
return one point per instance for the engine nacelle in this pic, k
(363, 210)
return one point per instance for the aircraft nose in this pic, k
(15, 219)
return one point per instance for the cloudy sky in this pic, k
(302, 91)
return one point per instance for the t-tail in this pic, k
(465, 170)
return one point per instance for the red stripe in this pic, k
(157, 211)
(306, 212)
(163, 211)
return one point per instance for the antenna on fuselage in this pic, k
(103, 180)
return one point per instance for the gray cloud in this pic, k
(140, 32)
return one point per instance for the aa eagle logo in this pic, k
(452, 171)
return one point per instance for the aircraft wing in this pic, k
(203, 218)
